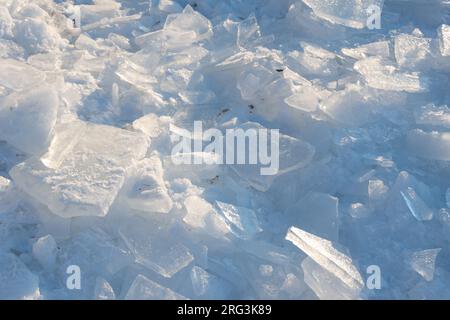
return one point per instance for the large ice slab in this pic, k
(90, 174)
(324, 253)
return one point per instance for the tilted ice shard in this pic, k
(351, 13)
(423, 262)
(241, 221)
(325, 284)
(324, 253)
(144, 188)
(143, 288)
(429, 145)
(35, 110)
(89, 176)
(416, 205)
(17, 281)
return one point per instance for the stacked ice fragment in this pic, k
(94, 95)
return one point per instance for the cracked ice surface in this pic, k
(90, 91)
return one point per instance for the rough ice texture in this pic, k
(90, 173)
(363, 175)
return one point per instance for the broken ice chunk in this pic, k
(144, 188)
(90, 175)
(248, 31)
(95, 252)
(169, 6)
(191, 20)
(35, 110)
(150, 124)
(45, 251)
(423, 262)
(325, 284)
(351, 106)
(156, 250)
(327, 256)
(202, 216)
(316, 213)
(380, 49)
(143, 288)
(17, 282)
(253, 80)
(350, 13)
(314, 61)
(380, 74)
(241, 221)
(433, 115)
(180, 30)
(305, 98)
(359, 210)
(412, 51)
(103, 290)
(429, 145)
(207, 285)
(416, 205)
(5, 184)
(377, 190)
(444, 39)
(36, 36)
(283, 155)
(17, 75)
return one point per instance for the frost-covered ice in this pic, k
(95, 93)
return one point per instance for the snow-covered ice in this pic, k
(95, 94)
